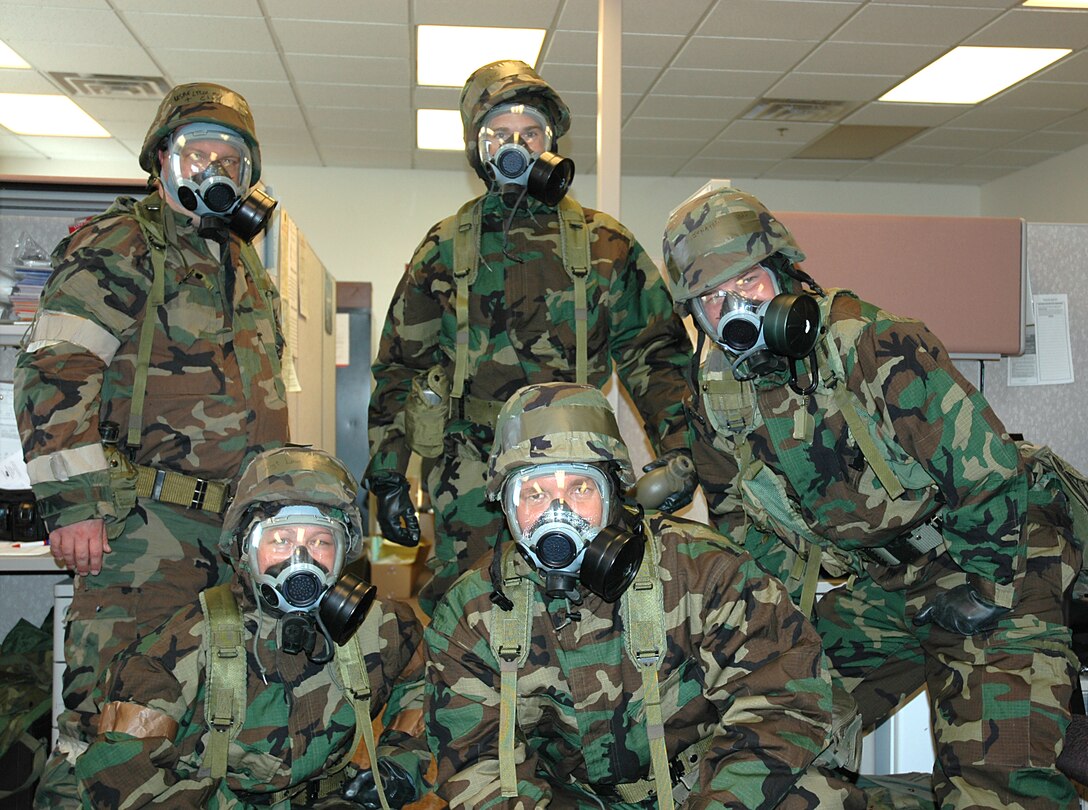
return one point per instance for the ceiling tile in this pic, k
(1050, 141)
(226, 66)
(935, 155)
(348, 69)
(357, 120)
(643, 127)
(709, 167)
(735, 83)
(1073, 68)
(662, 165)
(286, 155)
(719, 53)
(795, 132)
(730, 148)
(227, 34)
(1073, 123)
(79, 148)
(25, 81)
(1019, 158)
(856, 57)
(708, 107)
(1055, 95)
(811, 169)
(775, 19)
(363, 157)
(997, 116)
(924, 115)
(359, 96)
(672, 17)
(966, 138)
(22, 23)
(368, 11)
(831, 86)
(260, 93)
(537, 14)
(1035, 28)
(76, 57)
(197, 8)
(342, 39)
(939, 26)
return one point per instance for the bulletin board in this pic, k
(963, 276)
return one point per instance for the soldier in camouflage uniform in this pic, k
(743, 706)
(290, 531)
(828, 429)
(157, 333)
(490, 303)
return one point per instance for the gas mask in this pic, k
(762, 335)
(296, 560)
(567, 526)
(514, 142)
(208, 169)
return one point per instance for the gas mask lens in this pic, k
(514, 141)
(732, 313)
(208, 169)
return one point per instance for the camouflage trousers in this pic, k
(999, 700)
(466, 524)
(164, 557)
(816, 789)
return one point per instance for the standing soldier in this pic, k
(830, 431)
(150, 375)
(316, 655)
(607, 659)
(522, 285)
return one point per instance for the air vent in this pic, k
(105, 85)
(789, 109)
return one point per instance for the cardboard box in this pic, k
(395, 569)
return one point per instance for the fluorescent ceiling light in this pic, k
(447, 54)
(32, 114)
(1056, 3)
(10, 59)
(439, 129)
(967, 75)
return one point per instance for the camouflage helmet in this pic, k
(505, 82)
(200, 102)
(556, 422)
(293, 476)
(715, 236)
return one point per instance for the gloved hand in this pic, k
(396, 783)
(396, 514)
(961, 610)
(672, 487)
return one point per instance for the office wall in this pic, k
(1055, 190)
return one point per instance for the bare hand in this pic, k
(80, 546)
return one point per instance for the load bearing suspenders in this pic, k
(225, 692)
(574, 247)
(644, 641)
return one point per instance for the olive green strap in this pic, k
(844, 401)
(510, 640)
(646, 644)
(351, 664)
(466, 247)
(574, 245)
(225, 694)
(156, 246)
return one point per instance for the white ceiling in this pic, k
(331, 82)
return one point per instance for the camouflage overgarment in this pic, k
(297, 725)
(953, 456)
(521, 331)
(164, 557)
(214, 399)
(743, 666)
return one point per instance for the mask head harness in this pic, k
(220, 195)
(559, 466)
(733, 267)
(292, 532)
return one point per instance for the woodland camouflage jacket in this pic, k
(297, 725)
(214, 393)
(743, 666)
(937, 432)
(522, 323)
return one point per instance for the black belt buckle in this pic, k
(199, 491)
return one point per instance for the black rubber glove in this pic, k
(396, 782)
(961, 610)
(676, 476)
(396, 514)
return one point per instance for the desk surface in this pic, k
(29, 564)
